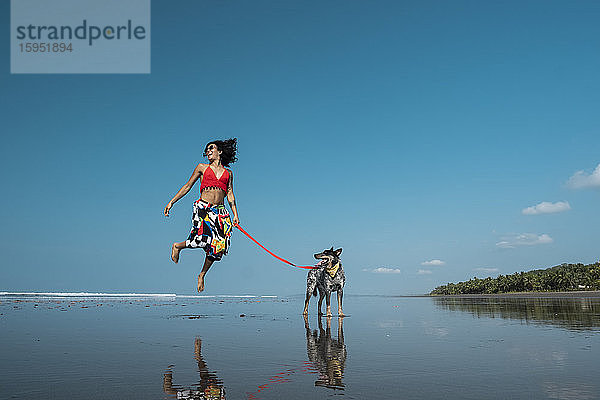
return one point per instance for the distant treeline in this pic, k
(564, 277)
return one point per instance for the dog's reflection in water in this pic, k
(210, 386)
(326, 354)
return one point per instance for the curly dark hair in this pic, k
(228, 148)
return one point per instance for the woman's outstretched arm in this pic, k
(186, 188)
(231, 199)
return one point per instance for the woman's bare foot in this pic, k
(175, 253)
(200, 282)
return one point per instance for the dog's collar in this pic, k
(332, 270)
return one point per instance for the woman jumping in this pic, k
(211, 224)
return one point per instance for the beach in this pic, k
(573, 294)
(255, 347)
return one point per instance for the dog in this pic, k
(326, 278)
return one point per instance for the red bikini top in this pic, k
(209, 179)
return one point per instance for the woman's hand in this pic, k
(167, 208)
(185, 188)
(236, 221)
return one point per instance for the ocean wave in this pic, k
(90, 294)
(225, 296)
(86, 294)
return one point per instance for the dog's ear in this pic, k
(338, 252)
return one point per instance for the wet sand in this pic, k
(557, 295)
(442, 347)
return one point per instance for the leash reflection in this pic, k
(326, 359)
(210, 386)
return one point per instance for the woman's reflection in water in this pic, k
(327, 355)
(209, 388)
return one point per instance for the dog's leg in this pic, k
(308, 294)
(328, 302)
(311, 286)
(340, 293)
(321, 296)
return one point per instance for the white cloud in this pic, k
(546, 207)
(424, 272)
(581, 180)
(384, 270)
(523, 239)
(486, 270)
(433, 262)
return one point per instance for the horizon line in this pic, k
(98, 294)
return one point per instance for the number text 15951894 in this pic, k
(34, 47)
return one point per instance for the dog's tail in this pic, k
(315, 292)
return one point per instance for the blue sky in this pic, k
(404, 132)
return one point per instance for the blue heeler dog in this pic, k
(328, 277)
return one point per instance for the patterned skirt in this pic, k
(211, 229)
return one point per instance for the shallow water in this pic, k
(261, 348)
